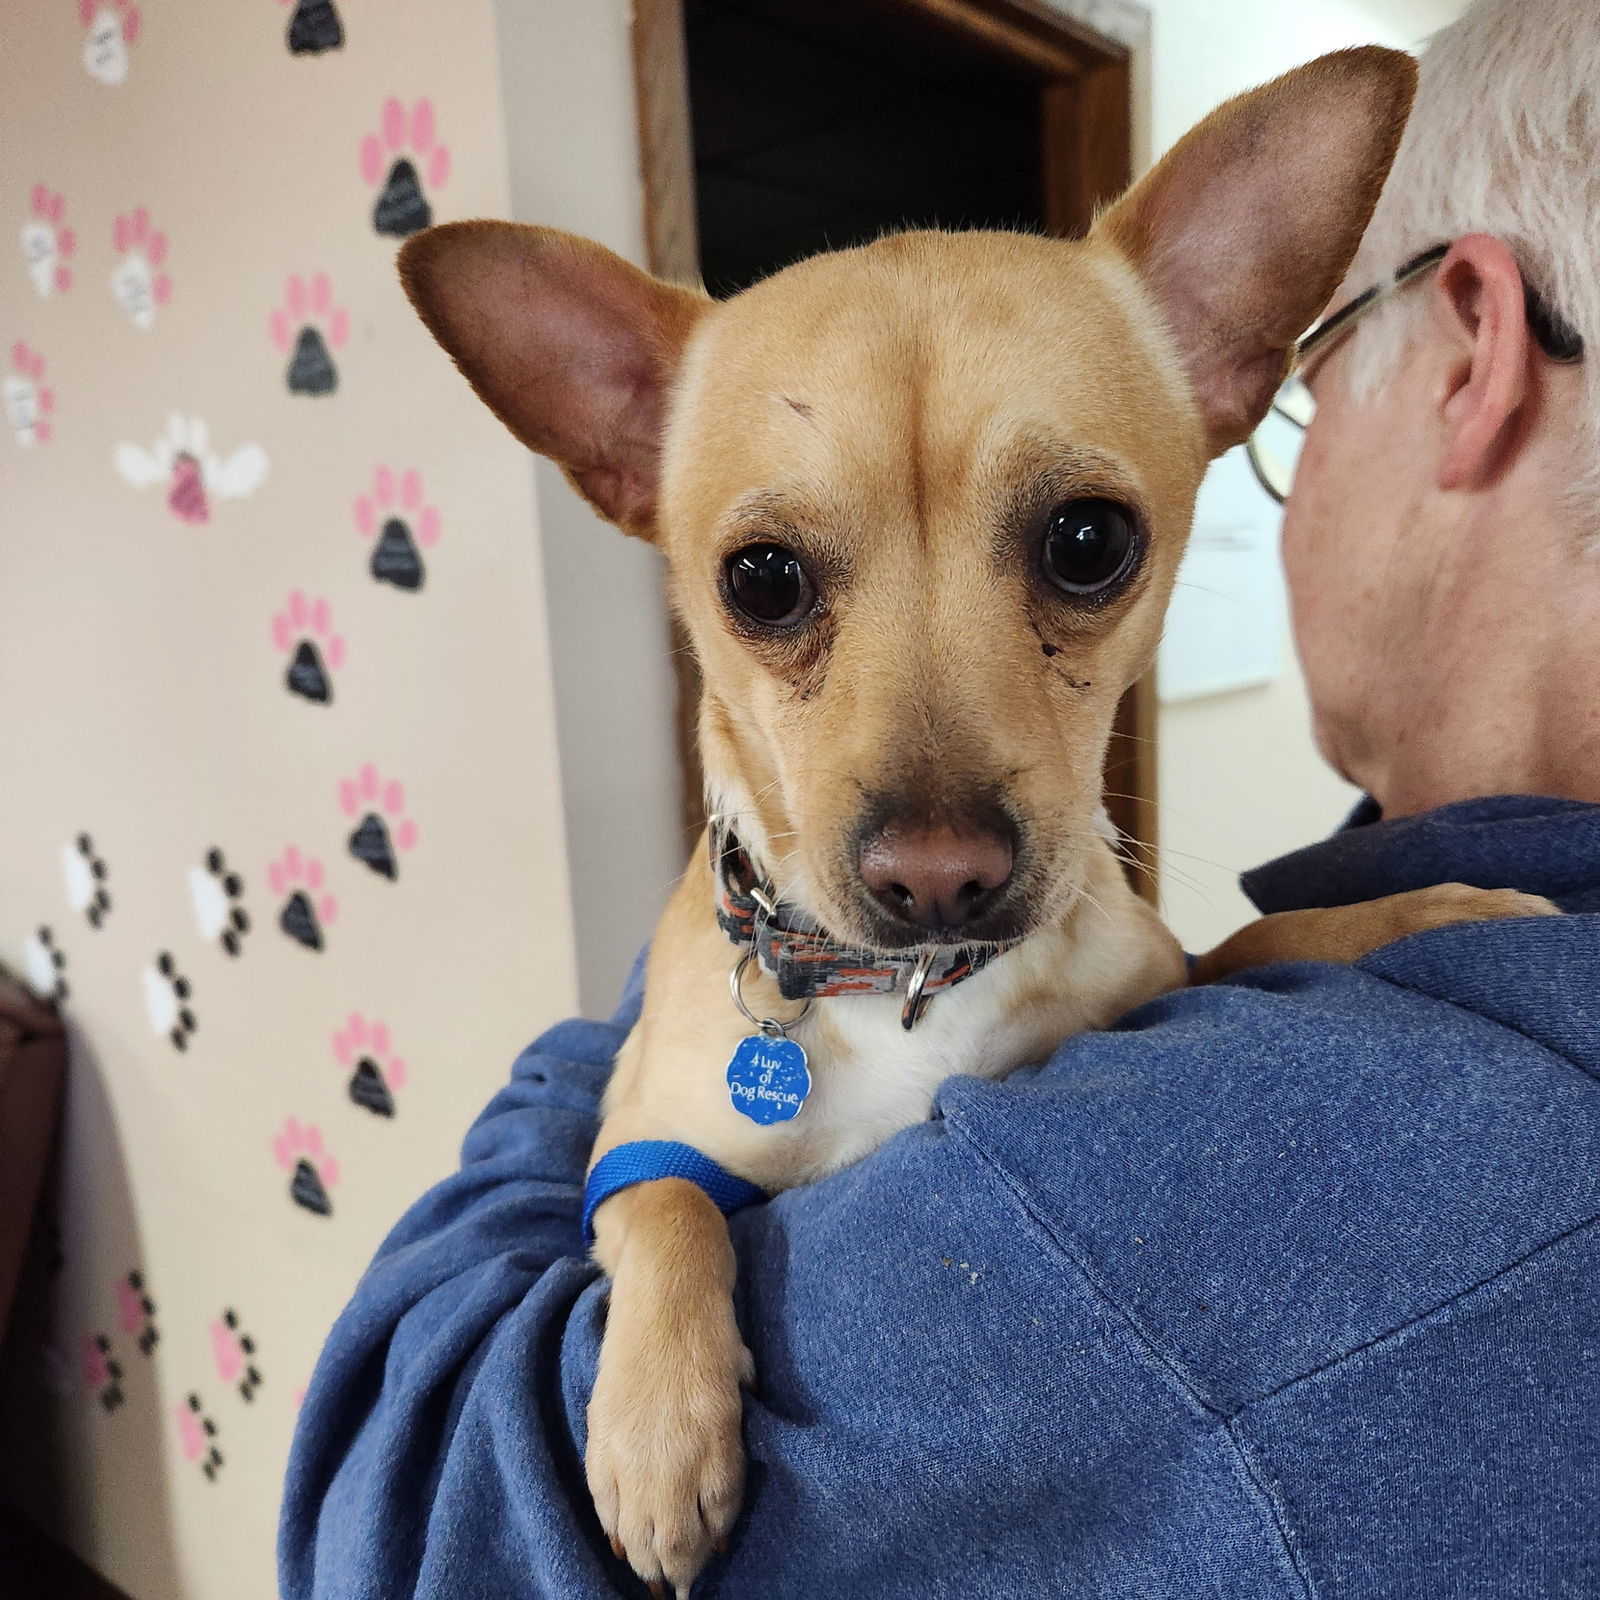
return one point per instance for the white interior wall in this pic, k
(566, 71)
(1241, 781)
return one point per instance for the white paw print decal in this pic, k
(44, 966)
(166, 1001)
(113, 26)
(27, 398)
(139, 282)
(83, 870)
(217, 893)
(48, 244)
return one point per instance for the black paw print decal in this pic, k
(138, 1312)
(197, 1433)
(314, 27)
(44, 965)
(404, 151)
(308, 327)
(217, 893)
(85, 873)
(166, 1001)
(378, 1073)
(313, 1171)
(400, 524)
(384, 833)
(235, 1354)
(308, 909)
(102, 1372)
(304, 632)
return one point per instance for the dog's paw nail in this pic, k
(721, 1546)
(658, 1589)
(617, 1549)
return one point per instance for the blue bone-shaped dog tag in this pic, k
(768, 1079)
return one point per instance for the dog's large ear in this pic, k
(570, 346)
(1247, 226)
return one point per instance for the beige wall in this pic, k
(567, 69)
(147, 708)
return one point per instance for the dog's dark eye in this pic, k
(1089, 545)
(769, 585)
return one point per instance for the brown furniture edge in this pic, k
(34, 1567)
(33, 1062)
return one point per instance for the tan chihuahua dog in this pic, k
(922, 503)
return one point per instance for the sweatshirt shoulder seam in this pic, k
(1366, 967)
(1170, 1371)
(1441, 1312)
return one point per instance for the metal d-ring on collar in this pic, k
(911, 1011)
(770, 1026)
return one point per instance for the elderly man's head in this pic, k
(1443, 537)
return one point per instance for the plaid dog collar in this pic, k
(806, 961)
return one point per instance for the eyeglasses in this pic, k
(1274, 448)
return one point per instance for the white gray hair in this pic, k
(1504, 139)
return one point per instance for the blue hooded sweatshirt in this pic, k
(1287, 1286)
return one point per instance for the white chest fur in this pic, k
(869, 1076)
(872, 1077)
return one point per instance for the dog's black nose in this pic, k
(935, 876)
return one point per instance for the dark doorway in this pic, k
(823, 123)
(772, 129)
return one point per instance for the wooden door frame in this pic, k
(1086, 91)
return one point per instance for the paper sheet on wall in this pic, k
(1225, 627)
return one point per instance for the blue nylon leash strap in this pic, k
(646, 1159)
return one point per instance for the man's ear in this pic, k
(570, 346)
(1478, 305)
(1248, 224)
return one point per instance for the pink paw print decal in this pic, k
(312, 1171)
(235, 1354)
(385, 832)
(28, 401)
(101, 1372)
(402, 523)
(139, 282)
(375, 1071)
(197, 1436)
(136, 1311)
(405, 142)
(314, 26)
(307, 910)
(308, 326)
(48, 244)
(304, 632)
(113, 26)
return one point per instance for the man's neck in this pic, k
(1499, 689)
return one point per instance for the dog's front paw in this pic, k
(1448, 903)
(665, 1461)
